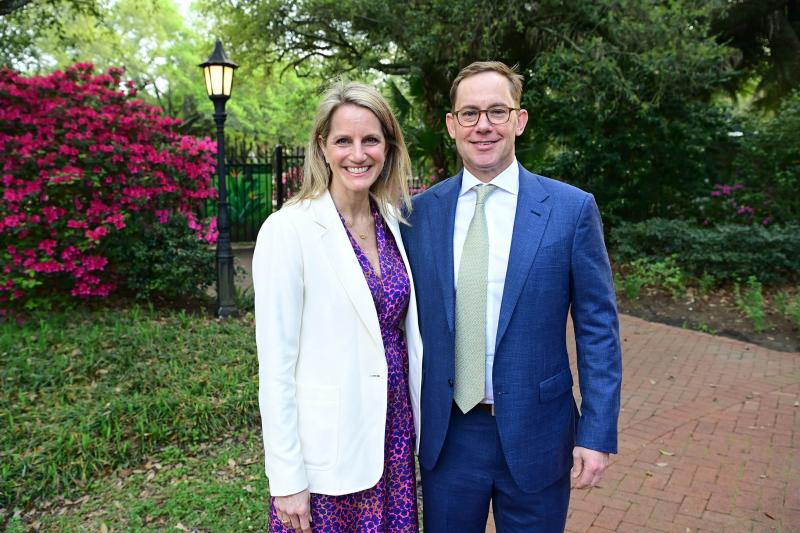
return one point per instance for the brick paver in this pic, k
(709, 438)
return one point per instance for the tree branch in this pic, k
(7, 6)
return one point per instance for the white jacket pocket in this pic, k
(318, 425)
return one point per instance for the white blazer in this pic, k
(322, 367)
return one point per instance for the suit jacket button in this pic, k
(450, 382)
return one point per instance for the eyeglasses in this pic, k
(499, 114)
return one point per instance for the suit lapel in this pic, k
(344, 263)
(530, 222)
(394, 227)
(441, 221)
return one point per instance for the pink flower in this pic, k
(97, 233)
(69, 253)
(51, 214)
(46, 267)
(117, 220)
(13, 195)
(94, 262)
(11, 221)
(47, 246)
(76, 224)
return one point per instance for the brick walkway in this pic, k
(709, 438)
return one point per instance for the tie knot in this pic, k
(483, 192)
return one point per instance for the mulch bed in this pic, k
(714, 313)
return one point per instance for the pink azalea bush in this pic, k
(82, 158)
(734, 204)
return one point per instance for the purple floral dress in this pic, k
(391, 505)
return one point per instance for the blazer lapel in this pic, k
(441, 223)
(530, 222)
(344, 263)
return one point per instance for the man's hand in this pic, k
(588, 467)
(295, 511)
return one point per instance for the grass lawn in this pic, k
(131, 419)
(215, 486)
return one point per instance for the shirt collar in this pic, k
(508, 180)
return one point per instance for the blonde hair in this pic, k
(391, 187)
(479, 67)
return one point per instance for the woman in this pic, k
(340, 356)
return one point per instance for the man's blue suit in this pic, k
(557, 264)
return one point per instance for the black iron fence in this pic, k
(261, 178)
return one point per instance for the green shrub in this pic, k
(668, 275)
(162, 261)
(632, 286)
(787, 306)
(705, 283)
(780, 301)
(751, 303)
(768, 162)
(728, 251)
(665, 274)
(794, 311)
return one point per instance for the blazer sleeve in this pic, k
(278, 286)
(594, 316)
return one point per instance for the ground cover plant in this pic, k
(85, 394)
(660, 291)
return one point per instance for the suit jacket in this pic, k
(557, 264)
(322, 367)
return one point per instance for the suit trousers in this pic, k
(471, 472)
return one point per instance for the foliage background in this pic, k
(637, 101)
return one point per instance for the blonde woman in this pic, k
(340, 356)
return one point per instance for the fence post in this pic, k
(277, 172)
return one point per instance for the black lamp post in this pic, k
(218, 72)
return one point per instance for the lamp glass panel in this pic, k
(216, 75)
(227, 81)
(207, 76)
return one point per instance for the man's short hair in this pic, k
(478, 67)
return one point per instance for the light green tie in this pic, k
(471, 308)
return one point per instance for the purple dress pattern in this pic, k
(391, 505)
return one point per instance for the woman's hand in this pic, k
(294, 511)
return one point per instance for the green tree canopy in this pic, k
(23, 22)
(615, 88)
(160, 53)
(627, 112)
(766, 35)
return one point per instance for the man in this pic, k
(497, 269)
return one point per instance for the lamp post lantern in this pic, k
(218, 73)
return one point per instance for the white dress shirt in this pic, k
(501, 207)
